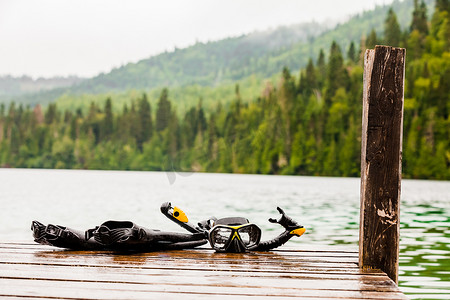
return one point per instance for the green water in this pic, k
(327, 207)
(425, 251)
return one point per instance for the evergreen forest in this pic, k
(305, 123)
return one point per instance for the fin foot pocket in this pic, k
(39, 233)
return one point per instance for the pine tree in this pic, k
(74, 128)
(372, 40)
(238, 99)
(419, 19)
(2, 132)
(133, 121)
(93, 122)
(14, 140)
(415, 46)
(201, 119)
(79, 113)
(440, 27)
(145, 126)
(321, 66)
(442, 5)
(67, 116)
(145, 117)
(302, 82)
(108, 126)
(2, 110)
(19, 115)
(212, 138)
(351, 54)
(287, 99)
(330, 162)
(297, 160)
(50, 114)
(163, 112)
(392, 31)
(190, 127)
(310, 79)
(336, 75)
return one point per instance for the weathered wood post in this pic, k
(382, 132)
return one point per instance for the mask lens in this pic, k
(250, 235)
(220, 236)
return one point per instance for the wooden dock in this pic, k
(30, 270)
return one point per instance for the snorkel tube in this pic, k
(178, 216)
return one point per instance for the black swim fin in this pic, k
(128, 236)
(63, 237)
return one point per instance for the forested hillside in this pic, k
(307, 124)
(259, 54)
(203, 64)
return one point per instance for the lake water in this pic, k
(327, 207)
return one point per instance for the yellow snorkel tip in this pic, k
(179, 215)
(298, 231)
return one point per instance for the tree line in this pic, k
(308, 124)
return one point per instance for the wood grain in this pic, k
(381, 148)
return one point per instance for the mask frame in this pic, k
(227, 238)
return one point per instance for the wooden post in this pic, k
(382, 130)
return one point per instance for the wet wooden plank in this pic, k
(310, 256)
(204, 257)
(29, 270)
(188, 255)
(215, 284)
(132, 274)
(217, 268)
(299, 267)
(114, 290)
(222, 287)
(192, 263)
(304, 251)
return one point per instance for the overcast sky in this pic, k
(86, 37)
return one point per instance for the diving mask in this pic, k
(234, 235)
